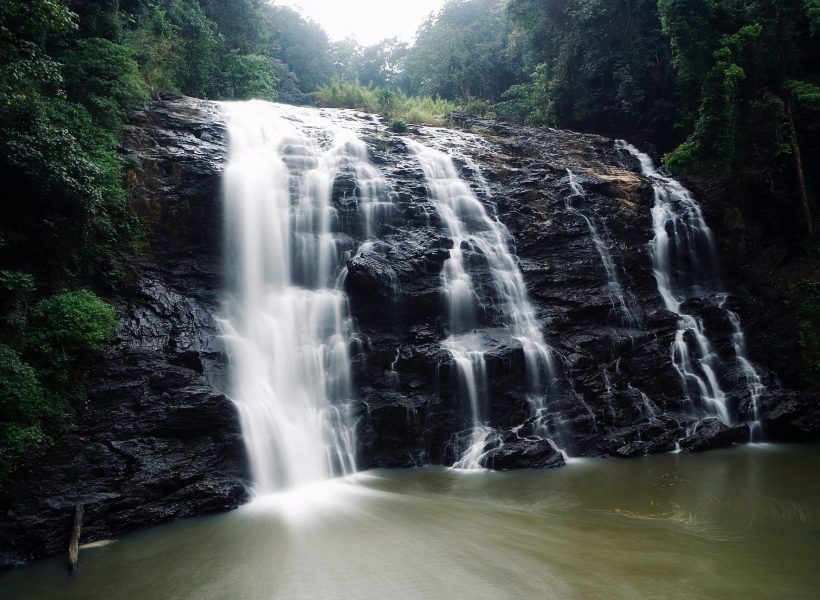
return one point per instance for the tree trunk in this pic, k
(801, 177)
(74, 544)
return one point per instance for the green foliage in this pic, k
(25, 67)
(103, 77)
(686, 157)
(98, 18)
(21, 395)
(14, 286)
(394, 105)
(35, 395)
(153, 40)
(16, 290)
(463, 51)
(805, 94)
(596, 65)
(383, 64)
(68, 323)
(26, 412)
(812, 8)
(693, 37)
(61, 330)
(478, 107)
(205, 48)
(424, 110)
(345, 94)
(399, 126)
(17, 441)
(735, 60)
(530, 102)
(54, 155)
(302, 45)
(249, 76)
(197, 48)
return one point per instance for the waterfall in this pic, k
(685, 265)
(616, 292)
(476, 234)
(754, 382)
(286, 318)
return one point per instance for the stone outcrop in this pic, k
(160, 440)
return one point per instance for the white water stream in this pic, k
(617, 296)
(684, 262)
(286, 320)
(475, 233)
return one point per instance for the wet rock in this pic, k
(789, 416)
(159, 439)
(631, 449)
(524, 454)
(712, 433)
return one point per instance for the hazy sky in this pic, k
(368, 21)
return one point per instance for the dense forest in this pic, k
(722, 88)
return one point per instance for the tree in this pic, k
(249, 76)
(463, 51)
(748, 60)
(346, 57)
(25, 66)
(103, 77)
(302, 45)
(383, 64)
(604, 66)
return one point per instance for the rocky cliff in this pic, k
(160, 440)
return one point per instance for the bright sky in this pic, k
(368, 21)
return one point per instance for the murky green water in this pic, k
(742, 523)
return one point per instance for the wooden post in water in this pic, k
(74, 544)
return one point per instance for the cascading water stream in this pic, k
(684, 262)
(616, 292)
(475, 233)
(286, 319)
(753, 380)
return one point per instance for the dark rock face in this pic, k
(620, 393)
(524, 454)
(159, 439)
(711, 433)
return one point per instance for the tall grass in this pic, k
(395, 106)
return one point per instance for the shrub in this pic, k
(344, 94)
(399, 126)
(103, 77)
(477, 106)
(25, 410)
(249, 76)
(68, 323)
(21, 395)
(395, 106)
(425, 110)
(54, 155)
